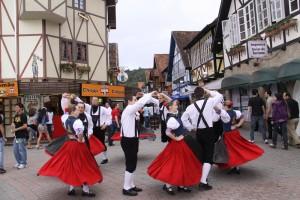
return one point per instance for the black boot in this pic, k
(129, 192)
(205, 187)
(169, 190)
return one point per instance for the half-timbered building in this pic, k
(260, 40)
(51, 46)
(207, 65)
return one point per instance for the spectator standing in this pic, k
(280, 118)
(293, 108)
(2, 143)
(147, 116)
(268, 116)
(32, 126)
(19, 128)
(256, 107)
(49, 123)
(42, 126)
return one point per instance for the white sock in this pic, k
(71, 188)
(205, 171)
(168, 185)
(104, 155)
(127, 179)
(132, 181)
(85, 188)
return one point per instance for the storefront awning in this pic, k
(235, 81)
(289, 71)
(264, 76)
(214, 85)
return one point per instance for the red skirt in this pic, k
(239, 149)
(96, 146)
(176, 165)
(59, 130)
(74, 165)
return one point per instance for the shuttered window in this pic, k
(263, 14)
(277, 10)
(293, 6)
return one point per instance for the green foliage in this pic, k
(135, 76)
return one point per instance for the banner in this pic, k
(95, 90)
(257, 48)
(9, 89)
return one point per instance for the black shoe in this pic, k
(88, 194)
(2, 171)
(184, 189)
(285, 148)
(136, 189)
(234, 171)
(104, 162)
(169, 190)
(72, 192)
(205, 187)
(129, 192)
(111, 144)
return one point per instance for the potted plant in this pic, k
(83, 70)
(67, 67)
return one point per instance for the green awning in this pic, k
(289, 71)
(236, 81)
(264, 76)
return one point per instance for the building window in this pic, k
(235, 36)
(79, 4)
(226, 29)
(263, 14)
(66, 50)
(277, 10)
(81, 53)
(293, 5)
(250, 19)
(243, 34)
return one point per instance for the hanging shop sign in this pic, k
(9, 89)
(95, 90)
(257, 48)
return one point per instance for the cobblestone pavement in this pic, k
(276, 175)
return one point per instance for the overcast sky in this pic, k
(144, 26)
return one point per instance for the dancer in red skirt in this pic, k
(239, 149)
(73, 163)
(176, 164)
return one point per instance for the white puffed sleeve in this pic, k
(172, 123)
(64, 118)
(78, 127)
(239, 114)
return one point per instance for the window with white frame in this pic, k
(277, 10)
(263, 14)
(226, 29)
(293, 6)
(250, 19)
(234, 33)
(242, 24)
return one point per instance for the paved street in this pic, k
(276, 175)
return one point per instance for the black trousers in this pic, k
(164, 137)
(206, 140)
(270, 127)
(218, 130)
(130, 147)
(100, 135)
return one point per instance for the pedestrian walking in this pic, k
(19, 129)
(130, 139)
(176, 165)
(293, 121)
(280, 118)
(256, 108)
(116, 116)
(199, 116)
(268, 116)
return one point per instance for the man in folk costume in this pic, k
(163, 101)
(199, 116)
(101, 119)
(130, 139)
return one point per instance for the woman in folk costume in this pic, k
(239, 149)
(176, 164)
(73, 163)
(94, 145)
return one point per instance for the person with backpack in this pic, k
(42, 126)
(280, 118)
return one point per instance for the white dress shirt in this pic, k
(165, 113)
(192, 113)
(77, 126)
(50, 118)
(104, 117)
(223, 115)
(129, 115)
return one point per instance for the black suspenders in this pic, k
(201, 114)
(98, 116)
